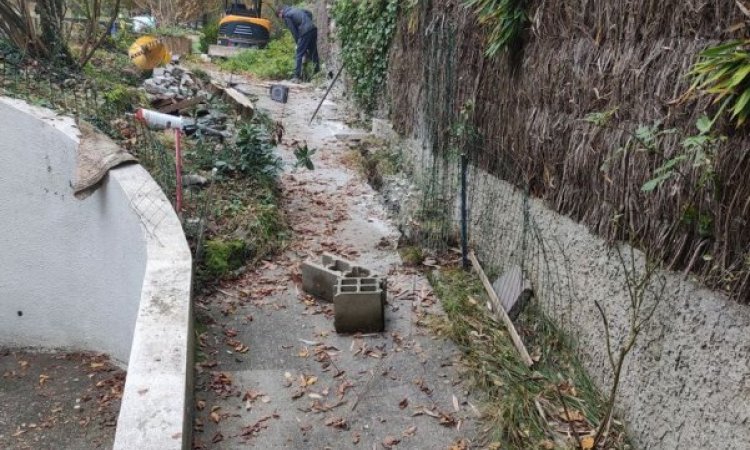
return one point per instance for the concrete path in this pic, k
(277, 375)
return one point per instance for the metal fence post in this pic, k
(464, 213)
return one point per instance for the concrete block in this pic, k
(359, 305)
(319, 278)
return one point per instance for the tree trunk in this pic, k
(51, 16)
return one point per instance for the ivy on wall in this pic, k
(365, 30)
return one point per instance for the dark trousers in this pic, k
(307, 45)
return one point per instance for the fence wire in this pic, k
(501, 225)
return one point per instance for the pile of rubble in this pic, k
(176, 90)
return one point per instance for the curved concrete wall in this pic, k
(111, 273)
(72, 270)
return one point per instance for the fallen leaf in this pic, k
(200, 404)
(355, 437)
(410, 431)
(43, 379)
(390, 442)
(337, 422)
(218, 437)
(461, 444)
(587, 443)
(455, 404)
(571, 415)
(265, 399)
(215, 417)
(403, 403)
(252, 395)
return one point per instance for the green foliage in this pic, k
(224, 256)
(122, 98)
(251, 155)
(699, 150)
(723, 72)
(366, 29)
(209, 36)
(504, 21)
(600, 118)
(275, 62)
(304, 157)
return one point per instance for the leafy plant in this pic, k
(304, 157)
(504, 21)
(251, 155)
(274, 62)
(723, 71)
(699, 150)
(209, 36)
(122, 98)
(366, 29)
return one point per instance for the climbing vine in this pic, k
(365, 30)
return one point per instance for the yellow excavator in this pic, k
(241, 28)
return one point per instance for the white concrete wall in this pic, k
(73, 268)
(111, 273)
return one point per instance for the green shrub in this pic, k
(209, 36)
(122, 98)
(251, 155)
(274, 62)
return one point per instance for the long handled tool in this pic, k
(327, 92)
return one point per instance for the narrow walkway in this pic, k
(277, 374)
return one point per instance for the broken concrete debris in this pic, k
(176, 90)
(358, 297)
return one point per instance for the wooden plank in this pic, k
(187, 103)
(500, 311)
(243, 104)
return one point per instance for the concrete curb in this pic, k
(158, 388)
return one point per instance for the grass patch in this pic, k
(524, 408)
(412, 256)
(275, 62)
(374, 160)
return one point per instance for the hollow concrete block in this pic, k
(359, 305)
(319, 278)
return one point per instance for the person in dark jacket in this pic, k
(300, 23)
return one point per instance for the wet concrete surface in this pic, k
(58, 401)
(298, 384)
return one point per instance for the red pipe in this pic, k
(178, 168)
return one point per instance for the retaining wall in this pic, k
(110, 274)
(686, 385)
